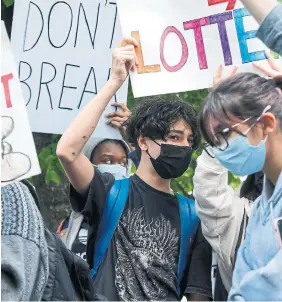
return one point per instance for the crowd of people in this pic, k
(129, 236)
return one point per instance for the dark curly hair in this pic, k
(154, 118)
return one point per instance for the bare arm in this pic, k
(70, 147)
(259, 8)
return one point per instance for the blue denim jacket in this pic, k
(258, 270)
(270, 31)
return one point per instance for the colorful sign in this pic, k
(181, 42)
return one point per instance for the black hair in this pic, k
(252, 186)
(238, 98)
(116, 142)
(154, 118)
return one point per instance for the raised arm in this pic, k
(259, 9)
(70, 147)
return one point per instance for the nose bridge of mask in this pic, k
(116, 170)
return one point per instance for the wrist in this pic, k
(115, 83)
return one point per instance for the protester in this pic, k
(241, 121)
(224, 212)
(24, 251)
(108, 155)
(268, 13)
(142, 259)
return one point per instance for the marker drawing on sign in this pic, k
(91, 72)
(139, 53)
(68, 10)
(13, 164)
(184, 55)
(115, 22)
(244, 35)
(45, 82)
(81, 8)
(5, 79)
(64, 50)
(230, 6)
(220, 19)
(196, 25)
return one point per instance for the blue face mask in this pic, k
(241, 158)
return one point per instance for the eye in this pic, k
(174, 137)
(190, 142)
(123, 163)
(107, 161)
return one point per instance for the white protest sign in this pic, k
(19, 159)
(64, 51)
(182, 42)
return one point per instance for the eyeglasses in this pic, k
(221, 137)
(221, 144)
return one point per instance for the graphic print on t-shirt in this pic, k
(79, 244)
(147, 257)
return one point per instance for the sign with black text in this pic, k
(64, 53)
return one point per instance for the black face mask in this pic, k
(173, 160)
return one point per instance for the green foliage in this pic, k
(49, 162)
(8, 2)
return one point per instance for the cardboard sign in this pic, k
(64, 54)
(182, 42)
(19, 159)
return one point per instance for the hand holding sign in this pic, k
(124, 60)
(271, 68)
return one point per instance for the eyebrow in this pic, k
(111, 155)
(176, 131)
(181, 132)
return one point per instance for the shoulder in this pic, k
(20, 215)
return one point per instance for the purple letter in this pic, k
(196, 26)
(220, 19)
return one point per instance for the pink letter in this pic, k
(196, 25)
(184, 56)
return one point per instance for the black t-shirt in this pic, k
(79, 245)
(142, 260)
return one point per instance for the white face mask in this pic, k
(118, 171)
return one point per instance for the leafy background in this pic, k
(52, 184)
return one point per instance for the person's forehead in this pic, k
(182, 126)
(109, 148)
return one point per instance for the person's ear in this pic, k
(142, 142)
(269, 122)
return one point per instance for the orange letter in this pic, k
(141, 67)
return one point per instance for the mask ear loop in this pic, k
(267, 108)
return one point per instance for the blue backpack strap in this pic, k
(189, 224)
(114, 206)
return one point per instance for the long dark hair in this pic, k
(238, 98)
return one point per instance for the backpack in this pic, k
(68, 278)
(114, 206)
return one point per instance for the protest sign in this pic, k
(182, 42)
(64, 52)
(19, 158)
